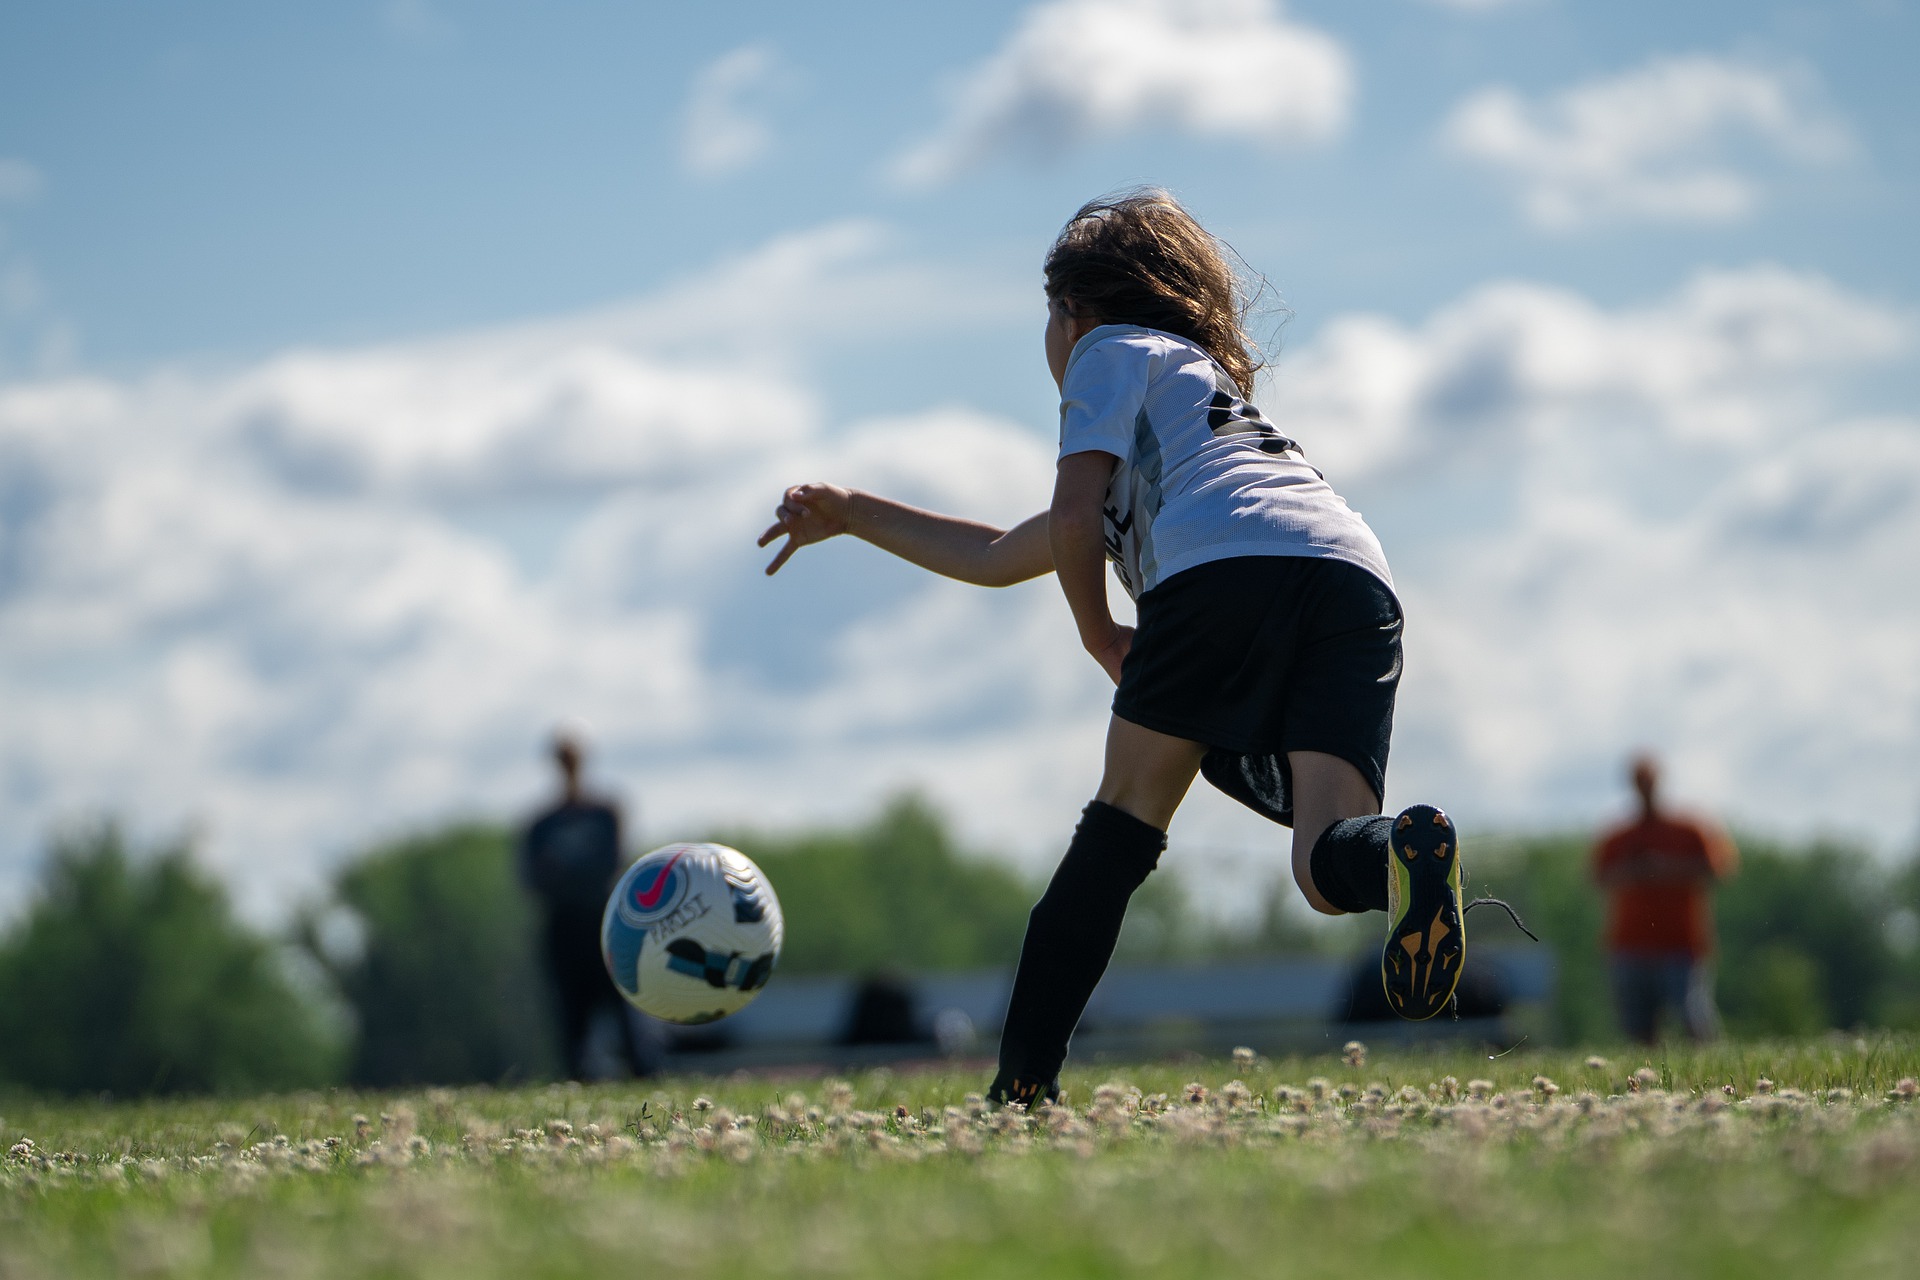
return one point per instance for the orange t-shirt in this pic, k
(1659, 875)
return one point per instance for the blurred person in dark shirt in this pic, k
(1658, 872)
(570, 856)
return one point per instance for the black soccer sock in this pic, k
(1349, 863)
(1070, 937)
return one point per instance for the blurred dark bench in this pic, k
(1280, 1005)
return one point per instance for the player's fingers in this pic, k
(773, 531)
(786, 553)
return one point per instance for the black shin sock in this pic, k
(1349, 863)
(1070, 938)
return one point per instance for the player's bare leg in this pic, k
(1325, 790)
(1147, 773)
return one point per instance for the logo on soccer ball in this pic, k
(654, 892)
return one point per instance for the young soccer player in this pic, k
(1267, 653)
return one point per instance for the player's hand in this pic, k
(808, 513)
(1113, 651)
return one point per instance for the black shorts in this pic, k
(1257, 656)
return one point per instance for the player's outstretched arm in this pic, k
(948, 545)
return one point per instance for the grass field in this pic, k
(1739, 1161)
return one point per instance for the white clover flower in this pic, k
(1242, 1058)
(1596, 1063)
(1353, 1053)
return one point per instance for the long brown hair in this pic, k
(1138, 257)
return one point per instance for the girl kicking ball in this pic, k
(1268, 647)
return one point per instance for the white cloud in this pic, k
(340, 593)
(1075, 70)
(1659, 143)
(1648, 526)
(726, 127)
(19, 181)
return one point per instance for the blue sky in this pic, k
(1604, 314)
(227, 178)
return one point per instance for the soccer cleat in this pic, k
(1426, 937)
(1021, 1092)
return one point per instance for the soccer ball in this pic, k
(691, 932)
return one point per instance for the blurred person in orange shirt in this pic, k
(1659, 871)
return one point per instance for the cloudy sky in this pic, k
(381, 383)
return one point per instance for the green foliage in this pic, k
(447, 986)
(894, 894)
(1901, 1005)
(1548, 881)
(1160, 926)
(1803, 940)
(1802, 932)
(131, 975)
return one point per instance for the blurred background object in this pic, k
(127, 971)
(445, 983)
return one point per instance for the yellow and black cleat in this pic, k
(1426, 934)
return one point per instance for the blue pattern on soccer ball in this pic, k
(718, 968)
(747, 907)
(623, 943)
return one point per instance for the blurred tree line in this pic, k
(130, 973)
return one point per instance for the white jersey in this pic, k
(1202, 476)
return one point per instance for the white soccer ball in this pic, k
(692, 932)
